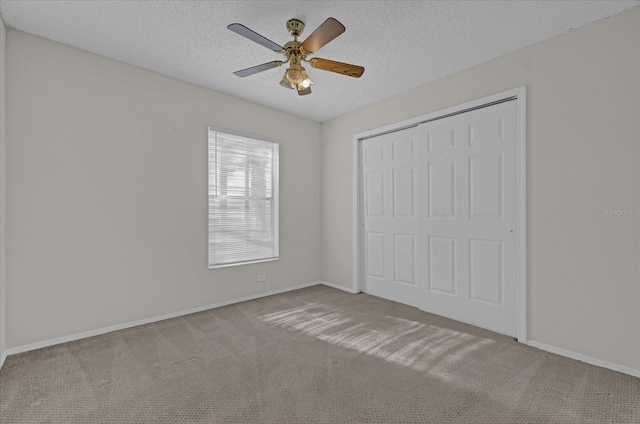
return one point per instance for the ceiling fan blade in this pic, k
(254, 36)
(337, 67)
(259, 68)
(326, 32)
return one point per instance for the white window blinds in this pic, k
(243, 200)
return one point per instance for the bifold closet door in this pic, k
(467, 202)
(439, 216)
(390, 221)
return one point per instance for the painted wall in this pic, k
(107, 189)
(583, 156)
(3, 167)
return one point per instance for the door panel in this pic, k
(467, 172)
(403, 192)
(390, 216)
(441, 140)
(485, 186)
(375, 194)
(375, 254)
(439, 217)
(441, 189)
(486, 271)
(442, 264)
(373, 154)
(404, 251)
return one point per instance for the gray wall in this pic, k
(107, 189)
(3, 340)
(583, 156)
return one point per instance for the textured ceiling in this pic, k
(402, 44)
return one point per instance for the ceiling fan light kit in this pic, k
(295, 52)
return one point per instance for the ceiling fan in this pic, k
(296, 53)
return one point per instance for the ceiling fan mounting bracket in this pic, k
(295, 27)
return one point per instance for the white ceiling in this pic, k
(402, 44)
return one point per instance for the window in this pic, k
(243, 200)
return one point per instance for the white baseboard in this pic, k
(97, 332)
(585, 358)
(336, 286)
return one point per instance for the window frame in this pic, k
(275, 197)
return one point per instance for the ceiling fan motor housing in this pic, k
(293, 53)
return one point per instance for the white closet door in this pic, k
(467, 176)
(390, 216)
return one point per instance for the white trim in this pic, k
(584, 358)
(337, 286)
(97, 332)
(521, 218)
(357, 286)
(78, 336)
(520, 94)
(277, 258)
(412, 122)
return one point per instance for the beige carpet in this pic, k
(316, 355)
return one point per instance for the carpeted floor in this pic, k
(316, 355)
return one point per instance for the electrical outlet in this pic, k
(260, 277)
